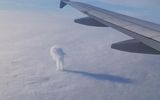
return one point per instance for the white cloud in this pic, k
(28, 72)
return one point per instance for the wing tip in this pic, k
(63, 3)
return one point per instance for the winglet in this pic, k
(63, 3)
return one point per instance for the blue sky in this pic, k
(28, 4)
(147, 9)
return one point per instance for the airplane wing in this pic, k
(143, 31)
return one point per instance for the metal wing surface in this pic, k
(143, 31)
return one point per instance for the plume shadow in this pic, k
(103, 77)
(89, 22)
(134, 46)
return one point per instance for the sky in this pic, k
(146, 9)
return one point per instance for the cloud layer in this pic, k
(28, 72)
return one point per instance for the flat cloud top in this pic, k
(28, 72)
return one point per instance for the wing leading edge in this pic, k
(143, 31)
